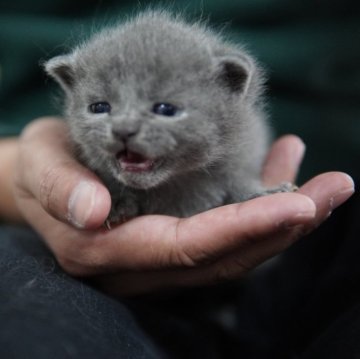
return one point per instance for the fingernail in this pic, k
(81, 203)
(340, 197)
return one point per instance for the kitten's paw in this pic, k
(122, 210)
(283, 187)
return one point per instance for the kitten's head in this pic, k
(155, 97)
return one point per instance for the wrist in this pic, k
(8, 156)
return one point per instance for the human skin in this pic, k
(45, 185)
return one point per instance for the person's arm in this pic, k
(8, 156)
(67, 205)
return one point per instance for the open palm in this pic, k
(155, 252)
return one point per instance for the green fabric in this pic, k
(310, 48)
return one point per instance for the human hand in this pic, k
(67, 205)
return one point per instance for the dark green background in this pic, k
(310, 48)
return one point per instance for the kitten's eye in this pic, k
(165, 109)
(100, 107)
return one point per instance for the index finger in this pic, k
(283, 160)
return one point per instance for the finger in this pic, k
(283, 160)
(221, 230)
(65, 189)
(328, 191)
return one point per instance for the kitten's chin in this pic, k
(142, 180)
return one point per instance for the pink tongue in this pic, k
(134, 162)
(132, 157)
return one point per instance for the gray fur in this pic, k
(209, 155)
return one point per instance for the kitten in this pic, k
(168, 114)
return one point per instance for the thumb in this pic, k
(48, 171)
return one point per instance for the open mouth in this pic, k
(134, 162)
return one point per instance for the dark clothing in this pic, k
(305, 305)
(44, 313)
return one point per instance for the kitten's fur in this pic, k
(208, 155)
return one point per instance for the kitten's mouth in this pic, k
(134, 162)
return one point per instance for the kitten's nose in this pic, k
(123, 134)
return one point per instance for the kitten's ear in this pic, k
(61, 68)
(234, 72)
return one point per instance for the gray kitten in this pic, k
(168, 114)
